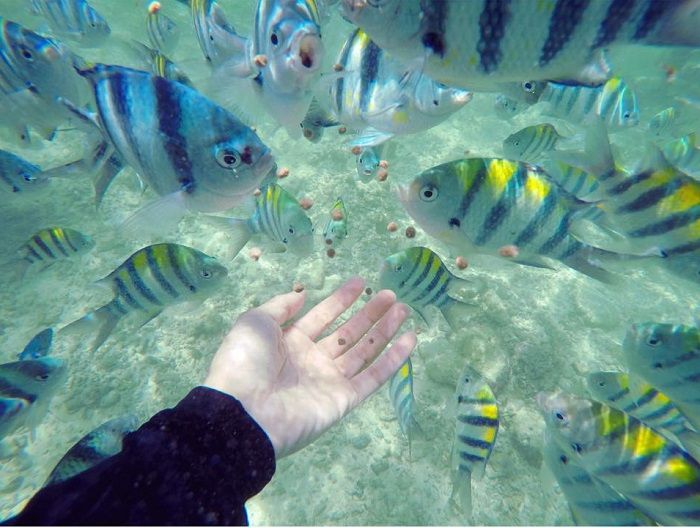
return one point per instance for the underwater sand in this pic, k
(535, 329)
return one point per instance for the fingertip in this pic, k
(389, 294)
(355, 282)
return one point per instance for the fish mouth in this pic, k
(307, 52)
(462, 97)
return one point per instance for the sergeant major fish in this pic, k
(52, 244)
(73, 19)
(146, 283)
(531, 143)
(163, 33)
(336, 229)
(481, 44)
(401, 396)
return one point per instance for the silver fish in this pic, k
(163, 32)
(531, 143)
(74, 19)
(401, 396)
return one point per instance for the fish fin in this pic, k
(370, 137)
(16, 269)
(150, 318)
(581, 261)
(38, 346)
(593, 74)
(87, 120)
(106, 174)
(100, 322)
(242, 62)
(236, 228)
(69, 170)
(414, 431)
(157, 217)
(533, 261)
(597, 158)
(462, 488)
(457, 312)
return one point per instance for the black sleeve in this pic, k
(196, 463)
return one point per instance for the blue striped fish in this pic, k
(194, 154)
(475, 434)
(592, 502)
(666, 356)
(420, 279)
(73, 19)
(401, 396)
(383, 97)
(146, 283)
(531, 143)
(17, 175)
(216, 37)
(481, 44)
(649, 470)
(277, 216)
(483, 205)
(51, 244)
(163, 33)
(684, 154)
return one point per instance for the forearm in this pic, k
(194, 464)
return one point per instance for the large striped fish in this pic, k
(420, 279)
(481, 43)
(163, 33)
(649, 470)
(485, 205)
(401, 396)
(667, 356)
(73, 19)
(383, 97)
(475, 434)
(146, 283)
(194, 154)
(591, 501)
(49, 245)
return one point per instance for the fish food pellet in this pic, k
(306, 203)
(255, 253)
(410, 232)
(368, 291)
(382, 174)
(356, 150)
(298, 287)
(341, 341)
(461, 262)
(282, 172)
(330, 252)
(391, 227)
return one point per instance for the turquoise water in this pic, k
(535, 329)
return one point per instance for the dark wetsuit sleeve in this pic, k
(196, 463)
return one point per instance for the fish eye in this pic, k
(560, 416)
(577, 447)
(228, 159)
(528, 86)
(563, 459)
(27, 53)
(41, 377)
(291, 230)
(28, 177)
(274, 39)
(466, 380)
(626, 115)
(652, 340)
(657, 365)
(601, 384)
(398, 267)
(435, 102)
(206, 274)
(428, 193)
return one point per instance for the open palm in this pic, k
(296, 385)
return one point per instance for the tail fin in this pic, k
(236, 228)
(100, 322)
(588, 261)
(597, 159)
(414, 430)
(462, 488)
(457, 312)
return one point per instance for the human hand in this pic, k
(295, 385)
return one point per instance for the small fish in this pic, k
(73, 19)
(627, 393)
(146, 283)
(475, 435)
(317, 119)
(484, 204)
(161, 65)
(506, 107)
(17, 175)
(420, 279)
(666, 356)
(614, 102)
(194, 154)
(592, 502)
(39, 346)
(34, 382)
(163, 33)
(277, 216)
(530, 143)
(367, 162)
(216, 37)
(336, 229)
(649, 470)
(52, 244)
(98, 445)
(401, 396)
(481, 45)
(382, 97)
(660, 126)
(684, 154)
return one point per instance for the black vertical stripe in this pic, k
(416, 264)
(492, 28)
(473, 190)
(567, 15)
(668, 224)
(169, 113)
(158, 275)
(141, 286)
(424, 271)
(557, 238)
(369, 67)
(123, 292)
(651, 16)
(434, 13)
(629, 182)
(57, 242)
(649, 199)
(689, 247)
(495, 217)
(40, 243)
(617, 14)
(177, 270)
(66, 235)
(431, 285)
(343, 61)
(543, 213)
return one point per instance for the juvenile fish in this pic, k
(39, 346)
(336, 229)
(475, 434)
(661, 124)
(401, 396)
(367, 162)
(420, 279)
(161, 65)
(146, 283)
(99, 444)
(17, 175)
(49, 245)
(74, 19)
(648, 469)
(163, 32)
(531, 143)
(316, 120)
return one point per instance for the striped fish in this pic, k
(580, 183)
(614, 102)
(531, 143)
(277, 217)
(481, 44)
(17, 175)
(625, 392)
(49, 245)
(216, 37)
(484, 205)
(316, 120)
(336, 229)
(667, 357)
(163, 33)
(383, 97)
(661, 125)
(99, 444)
(73, 19)
(684, 154)
(649, 470)
(146, 283)
(161, 65)
(194, 154)
(420, 279)
(401, 396)
(26, 388)
(592, 502)
(475, 434)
